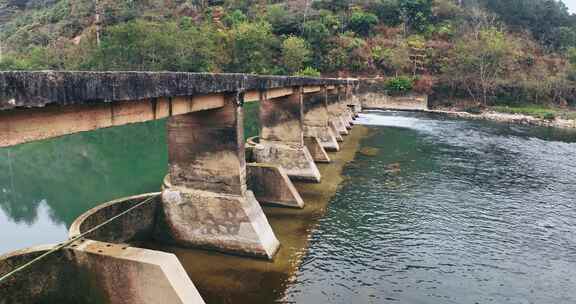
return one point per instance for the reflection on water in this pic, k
(43, 226)
(448, 211)
(45, 185)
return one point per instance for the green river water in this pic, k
(431, 210)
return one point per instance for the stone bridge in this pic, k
(211, 196)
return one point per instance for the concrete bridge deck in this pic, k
(40, 105)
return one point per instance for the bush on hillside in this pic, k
(399, 85)
(308, 72)
(362, 22)
(295, 53)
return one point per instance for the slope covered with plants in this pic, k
(487, 51)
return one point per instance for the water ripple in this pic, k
(449, 211)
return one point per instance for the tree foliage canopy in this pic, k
(477, 48)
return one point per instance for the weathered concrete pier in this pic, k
(208, 204)
(281, 138)
(211, 197)
(317, 120)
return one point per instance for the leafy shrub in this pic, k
(399, 85)
(549, 116)
(234, 18)
(252, 43)
(295, 53)
(283, 20)
(362, 23)
(388, 11)
(417, 13)
(10, 63)
(308, 72)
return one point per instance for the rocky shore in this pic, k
(512, 118)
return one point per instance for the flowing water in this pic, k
(432, 210)
(448, 211)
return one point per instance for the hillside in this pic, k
(487, 51)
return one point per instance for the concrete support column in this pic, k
(282, 137)
(335, 111)
(317, 120)
(208, 204)
(355, 102)
(344, 101)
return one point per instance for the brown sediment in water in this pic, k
(222, 278)
(369, 151)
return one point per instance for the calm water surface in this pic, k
(432, 211)
(45, 185)
(448, 211)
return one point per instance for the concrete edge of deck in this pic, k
(40, 88)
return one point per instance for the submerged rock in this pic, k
(369, 151)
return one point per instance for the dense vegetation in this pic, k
(489, 51)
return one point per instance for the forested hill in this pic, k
(489, 51)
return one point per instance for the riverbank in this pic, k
(516, 118)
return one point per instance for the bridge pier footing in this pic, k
(348, 117)
(271, 185)
(208, 204)
(281, 139)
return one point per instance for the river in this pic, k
(448, 211)
(431, 210)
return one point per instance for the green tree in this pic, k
(399, 85)
(284, 21)
(254, 47)
(234, 18)
(144, 45)
(347, 53)
(563, 38)
(295, 53)
(417, 13)
(362, 22)
(317, 35)
(388, 11)
(540, 17)
(480, 61)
